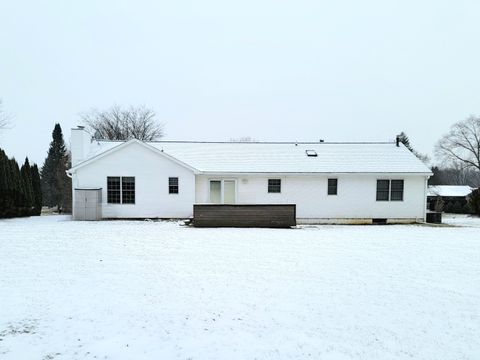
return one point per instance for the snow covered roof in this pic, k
(449, 190)
(283, 157)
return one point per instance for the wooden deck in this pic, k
(265, 215)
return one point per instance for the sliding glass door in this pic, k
(223, 191)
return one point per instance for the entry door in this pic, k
(223, 191)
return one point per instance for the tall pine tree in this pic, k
(37, 190)
(27, 205)
(53, 184)
(17, 190)
(4, 193)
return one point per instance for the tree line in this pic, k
(24, 190)
(20, 188)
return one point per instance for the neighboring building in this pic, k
(451, 198)
(328, 182)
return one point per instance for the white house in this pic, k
(328, 182)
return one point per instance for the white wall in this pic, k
(151, 171)
(356, 195)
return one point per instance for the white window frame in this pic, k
(121, 190)
(390, 190)
(222, 200)
(274, 192)
(178, 185)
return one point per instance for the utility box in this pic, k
(88, 204)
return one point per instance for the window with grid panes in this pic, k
(332, 186)
(396, 190)
(274, 185)
(173, 185)
(128, 190)
(113, 190)
(383, 190)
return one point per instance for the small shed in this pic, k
(454, 198)
(87, 204)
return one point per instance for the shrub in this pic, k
(457, 207)
(474, 201)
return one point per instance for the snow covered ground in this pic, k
(158, 290)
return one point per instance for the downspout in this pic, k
(70, 175)
(425, 188)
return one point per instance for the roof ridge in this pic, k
(262, 142)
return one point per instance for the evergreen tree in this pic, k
(28, 188)
(3, 184)
(406, 141)
(65, 184)
(37, 190)
(55, 163)
(17, 189)
(474, 201)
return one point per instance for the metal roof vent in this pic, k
(311, 153)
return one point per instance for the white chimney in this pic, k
(80, 142)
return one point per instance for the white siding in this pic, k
(356, 197)
(151, 171)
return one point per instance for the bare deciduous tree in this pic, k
(4, 117)
(118, 123)
(461, 145)
(244, 139)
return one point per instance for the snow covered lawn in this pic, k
(158, 290)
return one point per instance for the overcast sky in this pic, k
(273, 70)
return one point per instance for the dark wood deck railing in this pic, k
(264, 215)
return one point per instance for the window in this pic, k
(390, 190)
(113, 190)
(383, 189)
(274, 185)
(173, 185)
(396, 190)
(128, 190)
(332, 186)
(120, 190)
